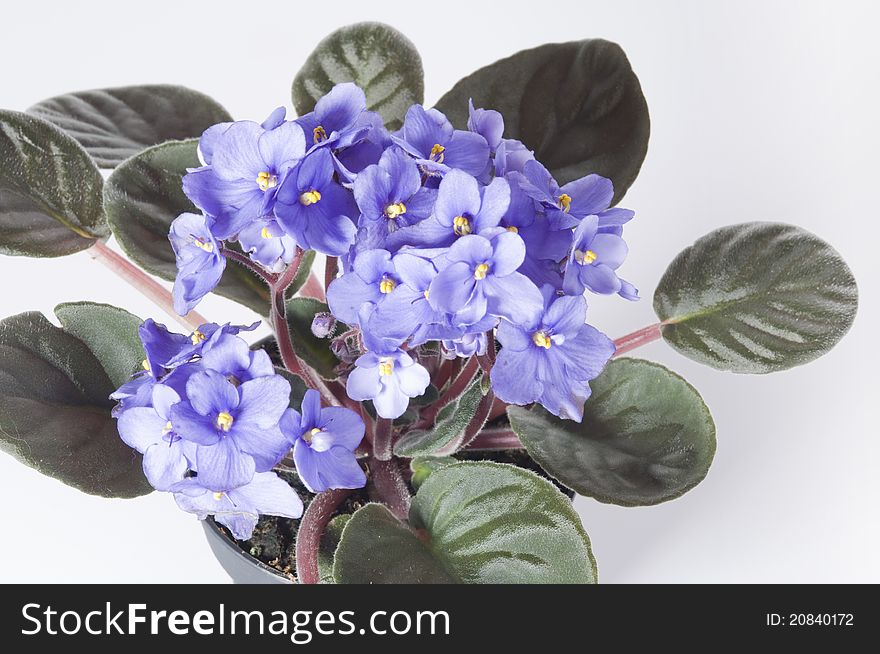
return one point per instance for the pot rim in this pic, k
(211, 525)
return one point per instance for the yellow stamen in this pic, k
(224, 421)
(437, 153)
(167, 428)
(392, 211)
(386, 366)
(564, 202)
(318, 134)
(218, 496)
(480, 271)
(145, 364)
(309, 435)
(310, 197)
(585, 258)
(266, 180)
(426, 295)
(542, 340)
(513, 229)
(203, 245)
(387, 285)
(197, 337)
(461, 226)
(265, 233)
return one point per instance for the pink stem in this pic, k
(637, 339)
(382, 440)
(391, 486)
(495, 439)
(246, 262)
(140, 280)
(313, 288)
(311, 528)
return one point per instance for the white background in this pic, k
(760, 111)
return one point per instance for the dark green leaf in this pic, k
(376, 57)
(449, 426)
(109, 332)
(578, 105)
(50, 190)
(55, 411)
(115, 124)
(298, 387)
(329, 542)
(471, 523)
(756, 298)
(647, 437)
(144, 195)
(312, 350)
(302, 275)
(423, 466)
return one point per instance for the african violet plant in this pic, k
(449, 324)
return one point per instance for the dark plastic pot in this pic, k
(246, 569)
(238, 564)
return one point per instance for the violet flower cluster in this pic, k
(212, 420)
(443, 235)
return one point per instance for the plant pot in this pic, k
(238, 564)
(246, 569)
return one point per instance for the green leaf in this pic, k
(647, 437)
(50, 190)
(329, 542)
(376, 57)
(115, 124)
(55, 411)
(376, 548)
(144, 195)
(312, 350)
(449, 426)
(302, 275)
(471, 523)
(109, 332)
(756, 298)
(578, 105)
(423, 466)
(298, 387)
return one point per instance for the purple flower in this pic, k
(199, 261)
(338, 119)
(406, 313)
(463, 207)
(488, 123)
(389, 378)
(315, 209)
(266, 242)
(247, 165)
(148, 430)
(438, 147)
(466, 346)
(481, 279)
(238, 509)
(350, 161)
(593, 260)
(552, 358)
(161, 347)
(371, 280)
(234, 426)
(324, 442)
(390, 196)
(511, 157)
(568, 204)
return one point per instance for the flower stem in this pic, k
(458, 384)
(311, 528)
(474, 427)
(278, 318)
(313, 288)
(495, 439)
(391, 486)
(331, 269)
(638, 338)
(382, 440)
(140, 280)
(246, 262)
